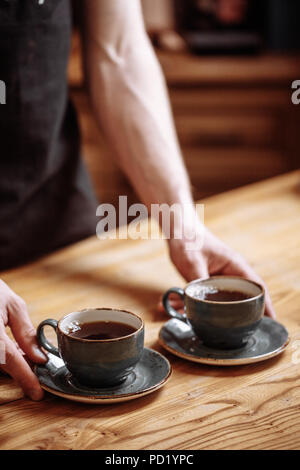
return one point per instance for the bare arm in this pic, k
(130, 100)
(129, 97)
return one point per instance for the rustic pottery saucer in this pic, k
(150, 374)
(269, 340)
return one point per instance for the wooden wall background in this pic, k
(235, 120)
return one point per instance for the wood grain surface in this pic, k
(202, 407)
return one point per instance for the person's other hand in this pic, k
(13, 313)
(214, 258)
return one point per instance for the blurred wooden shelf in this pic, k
(234, 116)
(184, 69)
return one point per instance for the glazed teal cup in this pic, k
(100, 362)
(220, 325)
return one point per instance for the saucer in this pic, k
(150, 374)
(269, 340)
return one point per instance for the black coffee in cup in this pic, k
(224, 311)
(100, 330)
(99, 346)
(219, 295)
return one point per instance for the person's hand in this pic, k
(214, 258)
(13, 313)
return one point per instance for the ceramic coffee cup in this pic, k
(100, 362)
(220, 324)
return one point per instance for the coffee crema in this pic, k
(215, 294)
(100, 330)
(225, 296)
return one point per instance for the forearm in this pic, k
(130, 101)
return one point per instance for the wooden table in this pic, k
(246, 407)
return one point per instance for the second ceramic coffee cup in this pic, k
(100, 362)
(221, 325)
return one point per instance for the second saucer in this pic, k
(270, 339)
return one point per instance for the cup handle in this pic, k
(170, 310)
(42, 338)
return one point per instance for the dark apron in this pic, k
(46, 200)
